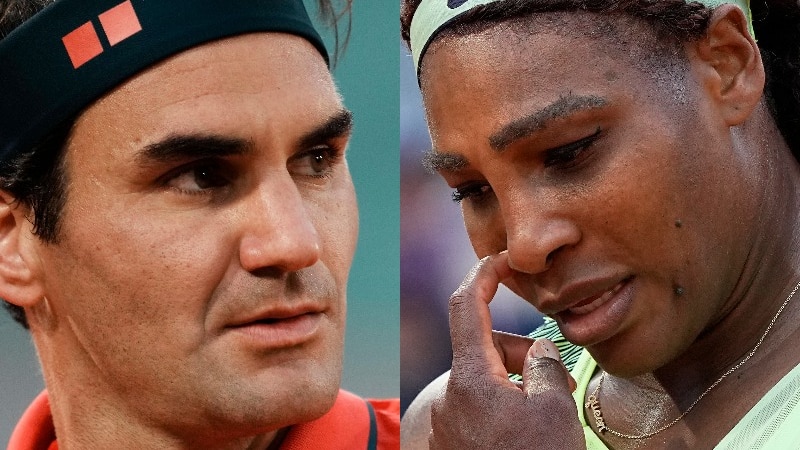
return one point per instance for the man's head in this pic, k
(32, 173)
(195, 281)
(614, 161)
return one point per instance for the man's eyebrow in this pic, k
(182, 146)
(435, 161)
(339, 124)
(197, 146)
(529, 124)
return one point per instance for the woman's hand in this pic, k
(481, 408)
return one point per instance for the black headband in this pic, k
(74, 51)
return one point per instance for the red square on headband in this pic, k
(82, 44)
(120, 22)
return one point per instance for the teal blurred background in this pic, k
(368, 78)
(367, 75)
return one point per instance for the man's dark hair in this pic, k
(776, 24)
(37, 178)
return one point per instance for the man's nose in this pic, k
(279, 232)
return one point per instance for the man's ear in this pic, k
(20, 283)
(732, 68)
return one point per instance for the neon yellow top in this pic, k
(773, 423)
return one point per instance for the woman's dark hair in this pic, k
(776, 24)
(37, 177)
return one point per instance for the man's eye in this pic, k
(567, 156)
(199, 178)
(317, 162)
(473, 191)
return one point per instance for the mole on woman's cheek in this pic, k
(678, 223)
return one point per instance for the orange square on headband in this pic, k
(120, 22)
(82, 44)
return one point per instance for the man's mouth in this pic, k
(280, 328)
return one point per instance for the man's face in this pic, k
(201, 271)
(611, 187)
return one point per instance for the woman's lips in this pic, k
(599, 317)
(592, 303)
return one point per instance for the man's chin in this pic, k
(305, 394)
(257, 411)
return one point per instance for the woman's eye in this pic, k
(567, 156)
(317, 162)
(199, 178)
(474, 191)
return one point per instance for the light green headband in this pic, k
(433, 15)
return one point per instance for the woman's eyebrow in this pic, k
(436, 161)
(528, 124)
(520, 128)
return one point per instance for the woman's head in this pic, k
(776, 24)
(616, 162)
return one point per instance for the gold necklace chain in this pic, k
(593, 402)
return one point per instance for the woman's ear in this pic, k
(731, 65)
(20, 283)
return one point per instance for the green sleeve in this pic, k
(549, 330)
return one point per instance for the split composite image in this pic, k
(424, 224)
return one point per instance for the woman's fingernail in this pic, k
(544, 348)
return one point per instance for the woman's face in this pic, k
(606, 175)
